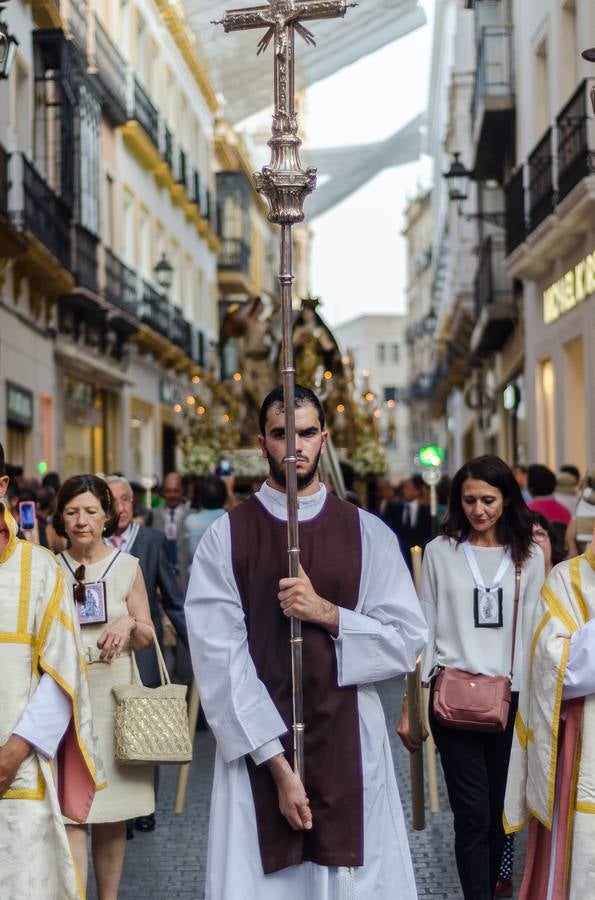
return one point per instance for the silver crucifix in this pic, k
(285, 184)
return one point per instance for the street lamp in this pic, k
(8, 48)
(589, 55)
(458, 178)
(164, 274)
(430, 321)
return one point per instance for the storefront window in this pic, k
(546, 387)
(84, 427)
(575, 424)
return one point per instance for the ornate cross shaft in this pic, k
(285, 184)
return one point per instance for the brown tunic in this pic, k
(331, 555)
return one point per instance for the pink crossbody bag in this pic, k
(476, 702)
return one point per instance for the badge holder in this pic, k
(487, 608)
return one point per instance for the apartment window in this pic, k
(390, 393)
(125, 27)
(90, 143)
(381, 354)
(109, 237)
(394, 353)
(128, 221)
(146, 262)
(141, 50)
(569, 49)
(541, 105)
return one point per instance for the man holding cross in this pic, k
(342, 835)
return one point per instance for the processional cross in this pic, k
(285, 184)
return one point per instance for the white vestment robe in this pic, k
(381, 638)
(39, 640)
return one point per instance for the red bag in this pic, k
(471, 702)
(476, 702)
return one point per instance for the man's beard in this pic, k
(304, 479)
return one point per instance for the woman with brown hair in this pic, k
(469, 585)
(110, 598)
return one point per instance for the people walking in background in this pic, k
(566, 491)
(487, 534)
(361, 623)
(211, 497)
(45, 715)
(168, 518)
(521, 473)
(542, 484)
(86, 514)
(410, 518)
(582, 523)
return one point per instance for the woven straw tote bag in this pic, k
(151, 724)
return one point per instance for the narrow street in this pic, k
(170, 862)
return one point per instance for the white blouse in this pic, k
(446, 595)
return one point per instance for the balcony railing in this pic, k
(182, 168)
(120, 284)
(180, 331)
(110, 68)
(234, 255)
(516, 226)
(144, 112)
(85, 258)
(576, 140)
(153, 310)
(541, 180)
(35, 207)
(494, 76)
(3, 182)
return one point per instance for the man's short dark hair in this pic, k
(303, 397)
(541, 481)
(2, 462)
(212, 492)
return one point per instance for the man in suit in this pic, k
(169, 518)
(410, 519)
(149, 547)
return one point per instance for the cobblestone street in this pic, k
(170, 862)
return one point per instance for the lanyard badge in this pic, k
(487, 601)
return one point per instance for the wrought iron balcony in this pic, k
(85, 266)
(154, 310)
(182, 168)
(109, 69)
(144, 112)
(121, 284)
(180, 331)
(34, 207)
(233, 201)
(575, 129)
(541, 181)
(234, 255)
(494, 300)
(516, 226)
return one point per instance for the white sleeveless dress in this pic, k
(129, 792)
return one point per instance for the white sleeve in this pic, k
(384, 634)
(428, 597)
(579, 677)
(45, 718)
(236, 703)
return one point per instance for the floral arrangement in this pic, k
(199, 459)
(249, 463)
(369, 459)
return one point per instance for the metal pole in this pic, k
(293, 549)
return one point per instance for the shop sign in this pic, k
(575, 286)
(19, 405)
(169, 392)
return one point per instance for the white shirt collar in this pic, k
(275, 502)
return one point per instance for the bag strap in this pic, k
(517, 592)
(163, 673)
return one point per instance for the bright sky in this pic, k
(358, 253)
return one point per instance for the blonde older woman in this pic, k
(110, 598)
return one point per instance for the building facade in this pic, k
(376, 345)
(106, 170)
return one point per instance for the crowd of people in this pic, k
(104, 572)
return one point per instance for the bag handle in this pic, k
(163, 673)
(517, 592)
